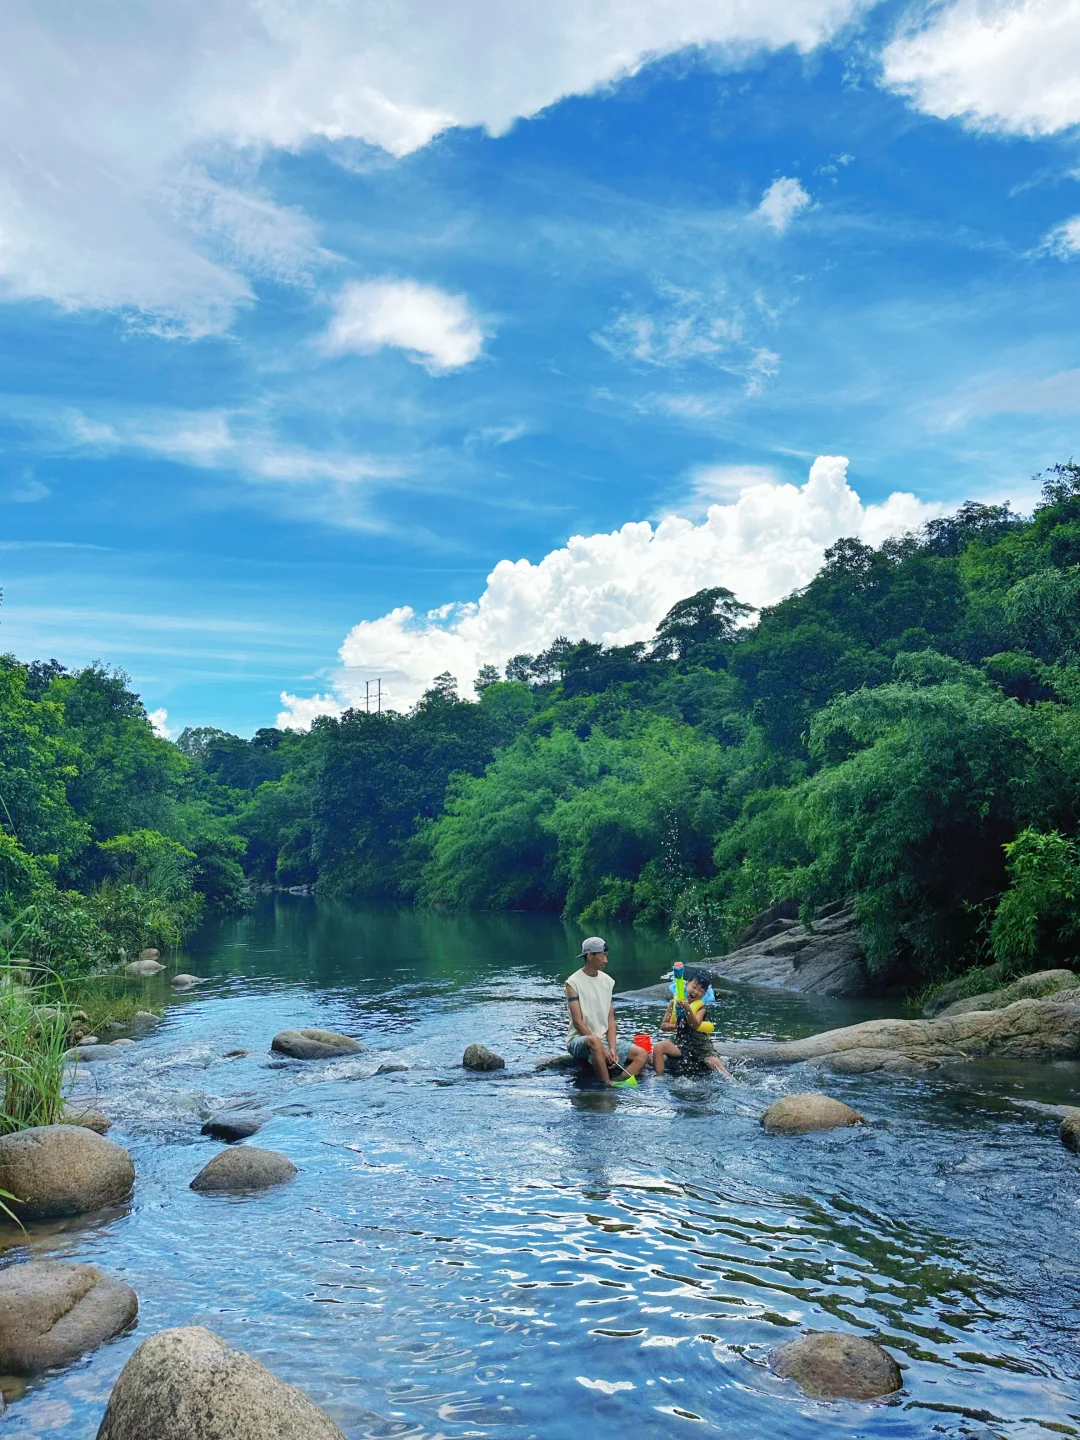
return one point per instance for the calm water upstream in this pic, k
(525, 1255)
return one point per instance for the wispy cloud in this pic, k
(1064, 239)
(783, 200)
(437, 330)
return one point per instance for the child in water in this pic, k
(691, 1051)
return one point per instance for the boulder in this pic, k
(51, 1312)
(150, 954)
(479, 1057)
(189, 1385)
(57, 1170)
(1070, 1131)
(236, 1054)
(864, 1062)
(391, 1067)
(93, 1054)
(1024, 1030)
(245, 1168)
(233, 1125)
(144, 1017)
(986, 977)
(832, 1366)
(123, 1041)
(88, 1040)
(563, 1060)
(76, 1114)
(1028, 987)
(185, 982)
(144, 967)
(801, 1114)
(314, 1044)
(777, 950)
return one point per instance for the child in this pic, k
(691, 1050)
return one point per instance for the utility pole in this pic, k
(378, 696)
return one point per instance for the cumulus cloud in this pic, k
(123, 128)
(782, 201)
(615, 587)
(437, 330)
(159, 723)
(1008, 65)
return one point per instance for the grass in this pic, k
(108, 1000)
(33, 1050)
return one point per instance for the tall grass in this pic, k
(33, 1051)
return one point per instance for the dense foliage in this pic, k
(903, 733)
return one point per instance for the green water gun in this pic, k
(678, 974)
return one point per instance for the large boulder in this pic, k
(832, 1366)
(245, 1168)
(142, 968)
(75, 1113)
(185, 982)
(51, 1312)
(233, 1125)
(1028, 987)
(1025, 1030)
(57, 1170)
(314, 1044)
(1070, 1131)
(778, 950)
(479, 1057)
(189, 1385)
(801, 1114)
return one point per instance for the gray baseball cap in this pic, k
(593, 945)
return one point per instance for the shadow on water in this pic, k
(520, 1254)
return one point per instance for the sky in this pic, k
(342, 342)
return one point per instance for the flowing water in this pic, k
(524, 1254)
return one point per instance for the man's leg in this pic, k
(597, 1058)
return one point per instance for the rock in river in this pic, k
(1070, 1131)
(1028, 987)
(314, 1044)
(245, 1168)
(52, 1312)
(233, 1125)
(92, 1054)
(776, 949)
(144, 967)
(189, 1385)
(77, 1114)
(801, 1114)
(479, 1057)
(57, 1170)
(832, 1366)
(185, 982)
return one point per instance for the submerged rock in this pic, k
(57, 1170)
(189, 1385)
(1027, 1029)
(832, 1366)
(75, 1114)
(233, 1125)
(801, 1114)
(777, 950)
(185, 982)
(51, 1312)
(92, 1054)
(479, 1057)
(1028, 987)
(245, 1168)
(391, 1067)
(561, 1061)
(1070, 1131)
(314, 1044)
(141, 968)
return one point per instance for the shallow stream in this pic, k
(525, 1255)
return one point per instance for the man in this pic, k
(593, 1033)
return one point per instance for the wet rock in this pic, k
(144, 1017)
(864, 1062)
(233, 1125)
(149, 966)
(57, 1170)
(93, 1054)
(75, 1114)
(562, 1061)
(150, 954)
(52, 1312)
(314, 1044)
(777, 950)
(189, 1385)
(124, 1041)
(185, 982)
(832, 1366)
(245, 1168)
(236, 1054)
(1070, 1131)
(391, 1067)
(89, 1040)
(801, 1114)
(479, 1057)
(1028, 987)
(1025, 1030)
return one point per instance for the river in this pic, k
(525, 1255)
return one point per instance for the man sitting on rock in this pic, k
(593, 1033)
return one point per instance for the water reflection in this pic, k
(526, 1254)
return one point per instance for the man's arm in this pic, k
(612, 1031)
(577, 1017)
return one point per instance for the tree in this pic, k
(701, 619)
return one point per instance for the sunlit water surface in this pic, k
(523, 1254)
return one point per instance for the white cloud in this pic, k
(782, 201)
(1064, 240)
(159, 723)
(120, 124)
(1008, 65)
(28, 489)
(616, 587)
(434, 328)
(300, 711)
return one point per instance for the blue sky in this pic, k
(286, 370)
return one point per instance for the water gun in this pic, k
(678, 974)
